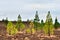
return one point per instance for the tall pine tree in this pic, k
(56, 24)
(36, 17)
(48, 28)
(20, 26)
(36, 21)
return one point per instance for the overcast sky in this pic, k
(27, 9)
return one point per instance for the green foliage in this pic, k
(56, 24)
(36, 17)
(31, 31)
(28, 30)
(11, 28)
(20, 25)
(37, 26)
(48, 28)
(19, 17)
(5, 21)
(31, 24)
(36, 21)
(41, 24)
(14, 31)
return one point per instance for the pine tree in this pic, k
(5, 21)
(36, 21)
(11, 30)
(18, 22)
(42, 24)
(36, 17)
(20, 25)
(48, 28)
(56, 24)
(19, 17)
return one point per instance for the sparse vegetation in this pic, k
(11, 28)
(34, 28)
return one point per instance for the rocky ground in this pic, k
(22, 36)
